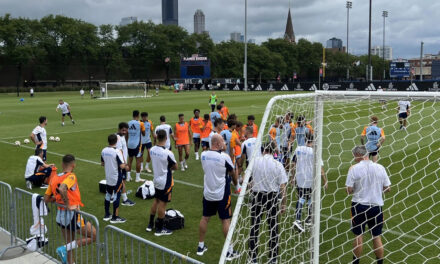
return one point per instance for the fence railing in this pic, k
(58, 227)
(124, 247)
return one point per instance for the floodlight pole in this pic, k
(385, 15)
(349, 6)
(245, 47)
(421, 62)
(369, 70)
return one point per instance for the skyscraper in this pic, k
(170, 12)
(334, 43)
(237, 37)
(199, 22)
(289, 35)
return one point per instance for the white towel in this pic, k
(38, 209)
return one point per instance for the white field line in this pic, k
(397, 233)
(65, 132)
(98, 163)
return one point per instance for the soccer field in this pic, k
(411, 158)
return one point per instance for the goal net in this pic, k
(411, 156)
(118, 90)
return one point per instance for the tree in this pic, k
(110, 53)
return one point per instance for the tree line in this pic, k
(144, 50)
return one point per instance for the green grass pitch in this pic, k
(412, 209)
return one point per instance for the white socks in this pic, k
(124, 197)
(71, 245)
(201, 244)
(138, 176)
(128, 176)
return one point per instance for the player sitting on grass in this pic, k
(136, 130)
(37, 171)
(146, 140)
(303, 163)
(182, 140)
(375, 138)
(65, 110)
(404, 111)
(194, 123)
(205, 128)
(113, 162)
(163, 164)
(63, 189)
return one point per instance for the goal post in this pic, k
(121, 90)
(410, 156)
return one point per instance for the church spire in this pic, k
(289, 35)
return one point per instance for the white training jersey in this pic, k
(216, 167)
(162, 160)
(248, 146)
(169, 130)
(64, 107)
(33, 166)
(31, 90)
(267, 174)
(81, 92)
(121, 145)
(304, 166)
(367, 179)
(213, 132)
(112, 159)
(40, 135)
(404, 106)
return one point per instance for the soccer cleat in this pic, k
(182, 168)
(297, 226)
(128, 179)
(150, 227)
(148, 170)
(107, 217)
(117, 220)
(185, 165)
(401, 127)
(44, 186)
(232, 255)
(29, 185)
(308, 221)
(201, 250)
(128, 202)
(73, 122)
(197, 156)
(163, 232)
(62, 253)
(140, 180)
(62, 124)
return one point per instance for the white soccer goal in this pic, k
(411, 157)
(120, 90)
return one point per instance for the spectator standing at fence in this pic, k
(37, 171)
(164, 163)
(218, 173)
(63, 189)
(39, 136)
(113, 162)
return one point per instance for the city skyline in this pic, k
(407, 25)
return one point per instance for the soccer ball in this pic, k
(26, 141)
(51, 138)
(57, 139)
(17, 143)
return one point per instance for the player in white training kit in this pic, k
(65, 110)
(404, 111)
(39, 136)
(247, 147)
(37, 171)
(168, 129)
(121, 145)
(136, 129)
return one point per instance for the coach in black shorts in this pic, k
(366, 181)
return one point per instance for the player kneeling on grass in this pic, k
(63, 189)
(183, 134)
(65, 110)
(113, 162)
(218, 171)
(163, 164)
(269, 180)
(37, 171)
(375, 138)
(303, 163)
(366, 181)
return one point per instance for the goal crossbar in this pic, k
(122, 84)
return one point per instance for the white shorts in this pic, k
(196, 135)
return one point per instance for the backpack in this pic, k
(146, 190)
(173, 220)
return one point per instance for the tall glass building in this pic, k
(170, 12)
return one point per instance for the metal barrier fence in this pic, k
(124, 247)
(77, 227)
(6, 213)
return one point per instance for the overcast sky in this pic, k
(409, 22)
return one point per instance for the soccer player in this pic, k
(216, 115)
(227, 135)
(248, 146)
(163, 163)
(183, 134)
(146, 140)
(224, 111)
(275, 134)
(366, 181)
(103, 91)
(213, 101)
(383, 102)
(285, 130)
(205, 128)
(299, 131)
(81, 92)
(157, 90)
(37, 171)
(39, 136)
(218, 171)
(136, 130)
(404, 111)
(65, 110)
(92, 92)
(302, 164)
(31, 91)
(113, 162)
(375, 138)
(64, 189)
(164, 126)
(251, 123)
(121, 145)
(269, 181)
(194, 123)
